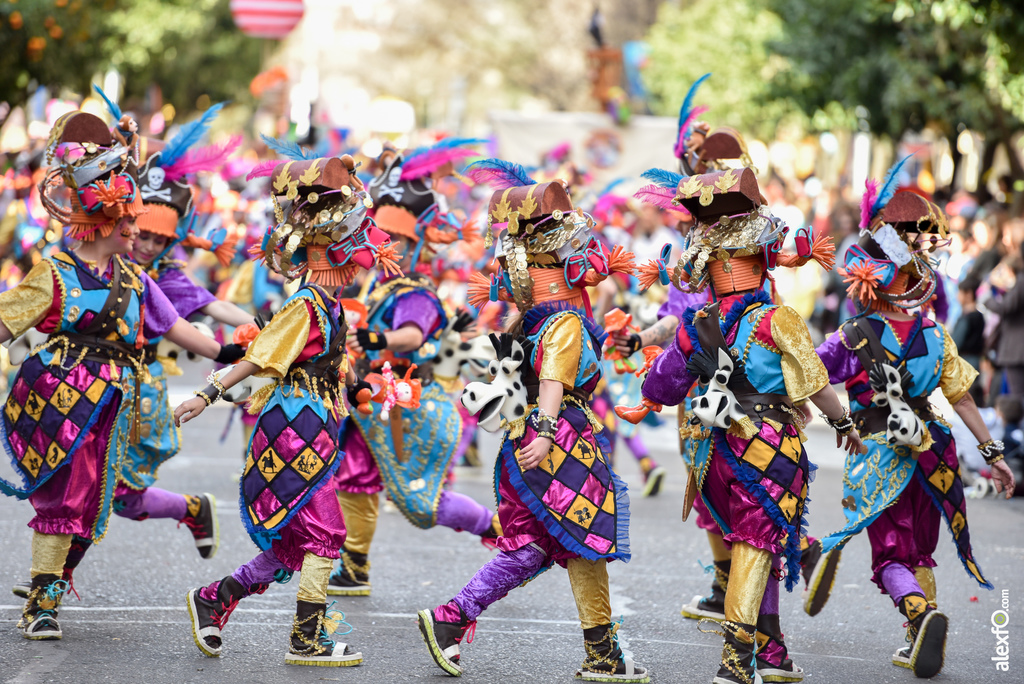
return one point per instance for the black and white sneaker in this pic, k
(653, 481)
(352, 576)
(210, 617)
(39, 617)
(819, 571)
(201, 520)
(443, 638)
(929, 648)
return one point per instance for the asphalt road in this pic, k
(131, 625)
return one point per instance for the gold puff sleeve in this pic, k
(562, 346)
(25, 305)
(802, 370)
(281, 341)
(957, 374)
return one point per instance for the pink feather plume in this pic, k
(263, 169)
(687, 125)
(870, 193)
(207, 158)
(426, 163)
(660, 197)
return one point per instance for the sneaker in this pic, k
(22, 589)
(605, 661)
(737, 655)
(443, 638)
(201, 519)
(773, 663)
(653, 481)
(352, 576)
(901, 658)
(929, 648)
(819, 571)
(39, 617)
(311, 642)
(210, 617)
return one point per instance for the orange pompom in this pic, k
(863, 278)
(648, 274)
(245, 334)
(621, 261)
(479, 290)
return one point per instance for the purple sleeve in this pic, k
(678, 302)
(160, 313)
(186, 296)
(418, 308)
(668, 382)
(840, 362)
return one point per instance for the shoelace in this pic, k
(469, 633)
(220, 619)
(195, 527)
(71, 583)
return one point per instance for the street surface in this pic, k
(131, 624)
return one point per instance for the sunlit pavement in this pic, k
(131, 624)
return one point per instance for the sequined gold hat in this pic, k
(547, 248)
(889, 263)
(324, 232)
(734, 228)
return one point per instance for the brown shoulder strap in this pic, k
(863, 339)
(709, 334)
(116, 304)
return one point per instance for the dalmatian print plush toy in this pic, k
(455, 353)
(20, 348)
(717, 407)
(903, 426)
(503, 399)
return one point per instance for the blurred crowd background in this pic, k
(827, 93)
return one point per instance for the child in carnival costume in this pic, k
(892, 358)
(73, 409)
(164, 223)
(754, 359)
(701, 149)
(288, 506)
(559, 501)
(409, 455)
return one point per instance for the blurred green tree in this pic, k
(729, 38)
(905, 65)
(188, 47)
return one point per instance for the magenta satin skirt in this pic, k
(318, 528)
(738, 509)
(905, 532)
(358, 472)
(69, 502)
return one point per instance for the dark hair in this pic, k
(970, 284)
(1010, 408)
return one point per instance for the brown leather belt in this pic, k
(105, 351)
(874, 419)
(770, 406)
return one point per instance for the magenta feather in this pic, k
(263, 169)
(687, 124)
(426, 163)
(868, 199)
(659, 197)
(207, 158)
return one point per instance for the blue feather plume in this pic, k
(686, 107)
(611, 186)
(889, 186)
(662, 178)
(445, 144)
(114, 110)
(498, 173)
(188, 136)
(289, 149)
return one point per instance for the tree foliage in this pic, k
(188, 47)
(728, 38)
(908, 63)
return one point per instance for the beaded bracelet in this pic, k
(543, 424)
(217, 384)
(843, 426)
(992, 451)
(209, 390)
